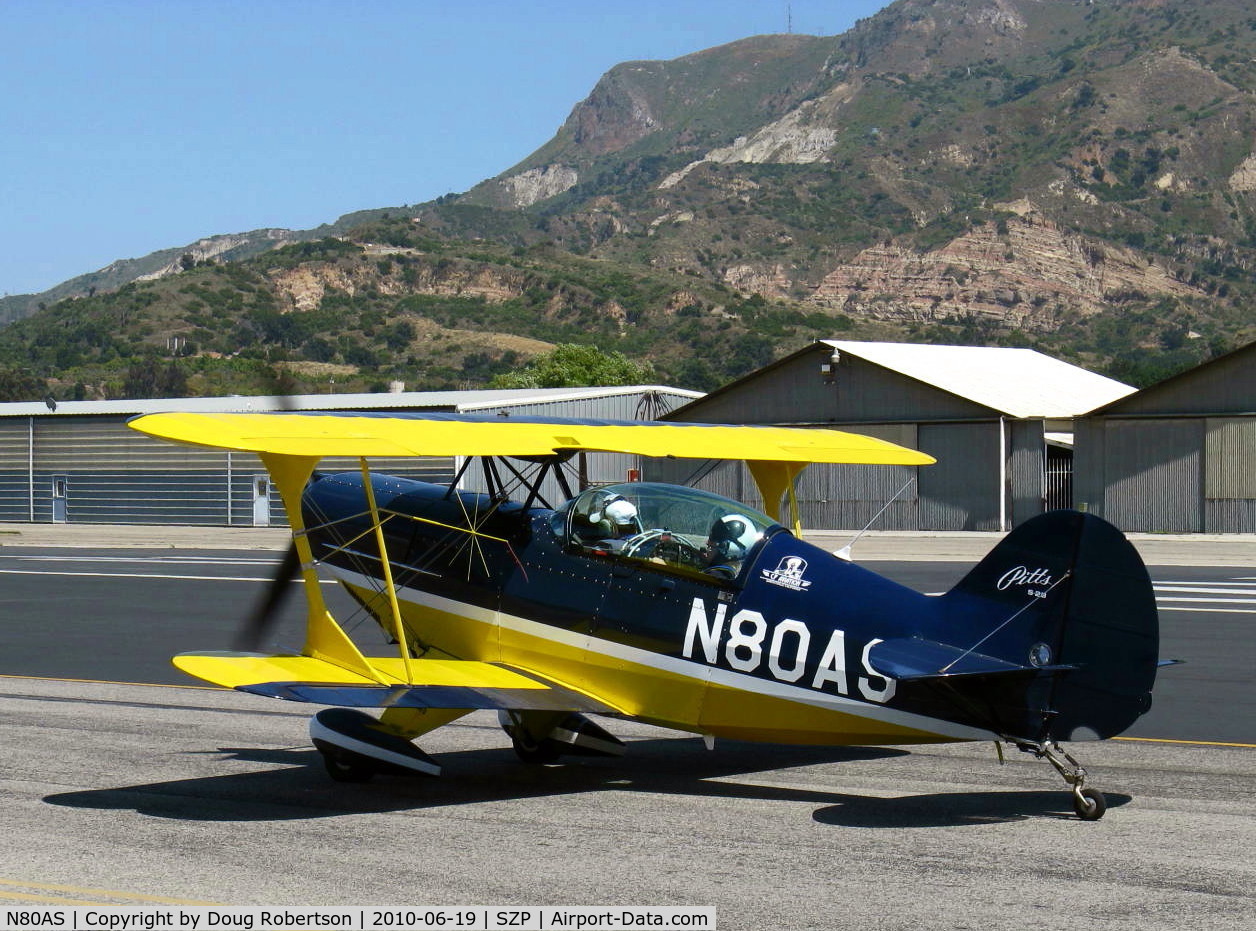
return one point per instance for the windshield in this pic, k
(668, 525)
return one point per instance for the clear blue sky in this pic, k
(128, 126)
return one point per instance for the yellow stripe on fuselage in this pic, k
(657, 689)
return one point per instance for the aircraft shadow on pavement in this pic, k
(954, 809)
(298, 788)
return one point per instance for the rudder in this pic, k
(1064, 589)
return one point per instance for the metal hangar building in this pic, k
(1179, 456)
(999, 422)
(77, 461)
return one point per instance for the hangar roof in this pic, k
(460, 401)
(1016, 382)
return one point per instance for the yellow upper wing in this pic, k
(319, 435)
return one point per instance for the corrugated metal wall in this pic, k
(1088, 457)
(865, 391)
(1230, 475)
(787, 393)
(962, 491)
(1026, 470)
(847, 497)
(15, 476)
(830, 497)
(1169, 475)
(723, 477)
(1224, 386)
(97, 470)
(1178, 457)
(796, 391)
(1152, 472)
(94, 469)
(850, 497)
(109, 470)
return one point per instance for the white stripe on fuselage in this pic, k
(681, 667)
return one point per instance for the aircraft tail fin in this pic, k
(1067, 603)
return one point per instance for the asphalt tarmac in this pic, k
(134, 794)
(140, 794)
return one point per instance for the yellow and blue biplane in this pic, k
(664, 604)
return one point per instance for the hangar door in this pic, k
(1152, 475)
(960, 492)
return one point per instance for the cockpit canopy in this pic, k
(667, 525)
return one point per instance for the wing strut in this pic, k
(324, 638)
(774, 480)
(398, 628)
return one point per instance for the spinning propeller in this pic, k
(265, 614)
(262, 619)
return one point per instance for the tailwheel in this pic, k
(1089, 804)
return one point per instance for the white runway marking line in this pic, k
(210, 562)
(1230, 601)
(1206, 596)
(1209, 610)
(193, 560)
(150, 575)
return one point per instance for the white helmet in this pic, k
(733, 535)
(621, 512)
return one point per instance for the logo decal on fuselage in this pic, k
(788, 574)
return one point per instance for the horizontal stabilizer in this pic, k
(910, 659)
(434, 683)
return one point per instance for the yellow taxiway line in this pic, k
(1192, 743)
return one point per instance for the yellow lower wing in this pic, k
(435, 683)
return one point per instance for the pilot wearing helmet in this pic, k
(611, 521)
(620, 515)
(729, 540)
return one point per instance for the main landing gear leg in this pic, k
(1089, 804)
(543, 736)
(356, 746)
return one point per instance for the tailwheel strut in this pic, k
(1089, 804)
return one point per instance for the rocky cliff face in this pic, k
(1026, 272)
(537, 184)
(303, 287)
(215, 247)
(617, 114)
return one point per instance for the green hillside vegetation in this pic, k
(224, 328)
